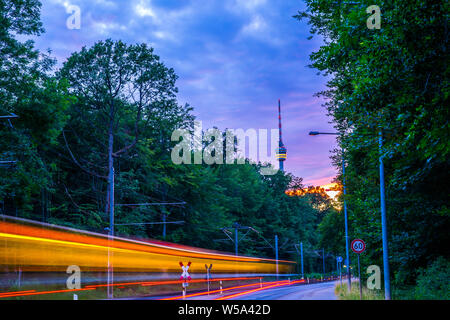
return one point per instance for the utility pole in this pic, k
(301, 255)
(164, 211)
(387, 285)
(276, 252)
(8, 163)
(323, 261)
(111, 202)
(164, 223)
(110, 234)
(236, 226)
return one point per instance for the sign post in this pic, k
(339, 260)
(301, 252)
(208, 273)
(359, 277)
(358, 246)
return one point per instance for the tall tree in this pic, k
(392, 80)
(125, 96)
(27, 90)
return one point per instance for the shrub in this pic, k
(433, 283)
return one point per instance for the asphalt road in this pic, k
(316, 291)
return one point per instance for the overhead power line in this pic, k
(142, 223)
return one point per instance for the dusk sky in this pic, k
(234, 59)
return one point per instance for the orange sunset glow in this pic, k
(331, 189)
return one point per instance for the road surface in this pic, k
(315, 291)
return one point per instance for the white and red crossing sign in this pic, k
(358, 246)
(185, 275)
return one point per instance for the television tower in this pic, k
(281, 154)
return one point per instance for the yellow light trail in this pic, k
(35, 247)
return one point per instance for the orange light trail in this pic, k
(196, 281)
(155, 283)
(29, 246)
(259, 289)
(42, 292)
(218, 290)
(100, 240)
(14, 292)
(120, 285)
(36, 247)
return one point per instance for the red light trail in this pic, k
(258, 289)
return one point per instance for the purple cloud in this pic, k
(234, 58)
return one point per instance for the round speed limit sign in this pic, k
(358, 246)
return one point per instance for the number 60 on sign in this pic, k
(358, 246)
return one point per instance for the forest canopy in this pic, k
(393, 81)
(115, 104)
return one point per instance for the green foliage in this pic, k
(115, 104)
(332, 232)
(433, 283)
(393, 80)
(41, 101)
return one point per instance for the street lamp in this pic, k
(316, 133)
(384, 233)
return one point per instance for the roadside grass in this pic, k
(342, 293)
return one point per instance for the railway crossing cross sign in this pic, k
(185, 275)
(358, 246)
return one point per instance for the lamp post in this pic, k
(315, 133)
(384, 235)
(276, 253)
